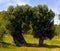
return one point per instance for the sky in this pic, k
(52, 4)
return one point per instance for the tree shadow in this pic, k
(5, 45)
(44, 45)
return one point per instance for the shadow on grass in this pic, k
(44, 45)
(5, 45)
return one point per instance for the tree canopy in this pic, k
(21, 19)
(43, 23)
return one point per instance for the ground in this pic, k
(53, 45)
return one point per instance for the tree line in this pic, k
(20, 19)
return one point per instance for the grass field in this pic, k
(54, 44)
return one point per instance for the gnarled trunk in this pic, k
(19, 39)
(41, 40)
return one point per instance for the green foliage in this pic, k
(3, 23)
(43, 22)
(57, 29)
(38, 19)
(10, 9)
(21, 19)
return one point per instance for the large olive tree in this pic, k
(19, 23)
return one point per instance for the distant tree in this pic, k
(59, 17)
(57, 29)
(43, 23)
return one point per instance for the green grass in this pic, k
(55, 42)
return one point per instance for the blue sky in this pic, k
(52, 4)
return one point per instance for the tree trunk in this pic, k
(18, 39)
(41, 40)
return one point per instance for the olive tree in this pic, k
(19, 23)
(43, 23)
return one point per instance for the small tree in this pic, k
(43, 23)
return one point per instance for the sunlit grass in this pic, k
(8, 38)
(30, 39)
